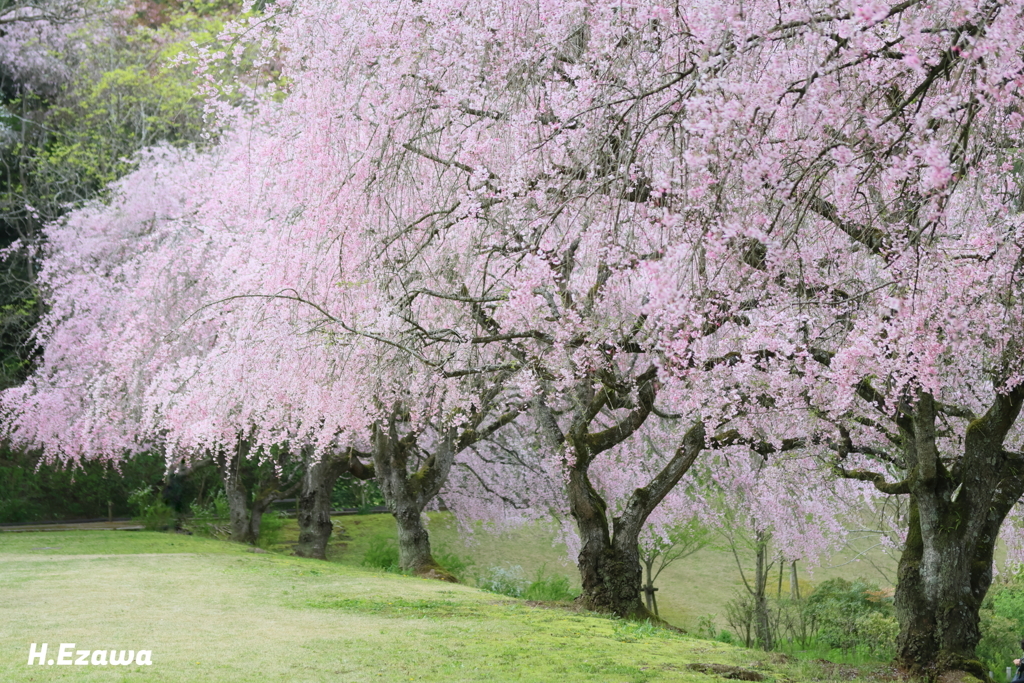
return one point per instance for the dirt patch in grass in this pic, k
(732, 673)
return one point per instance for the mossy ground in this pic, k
(212, 611)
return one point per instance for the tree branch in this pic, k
(647, 389)
(897, 488)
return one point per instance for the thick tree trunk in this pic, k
(407, 494)
(954, 518)
(944, 574)
(238, 502)
(609, 559)
(414, 552)
(610, 569)
(611, 581)
(314, 506)
(245, 517)
(413, 541)
(956, 508)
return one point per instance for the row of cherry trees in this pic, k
(565, 249)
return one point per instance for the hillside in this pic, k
(689, 589)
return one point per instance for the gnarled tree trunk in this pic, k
(245, 510)
(957, 506)
(609, 563)
(237, 496)
(939, 591)
(413, 540)
(314, 505)
(946, 567)
(609, 559)
(407, 493)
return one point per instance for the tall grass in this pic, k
(510, 580)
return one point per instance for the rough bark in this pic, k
(237, 496)
(945, 570)
(407, 493)
(609, 559)
(245, 510)
(414, 541)
(938, 610)
(954, 518)
(245, 517)
(314, 505)
(609, 566)
(956, 508)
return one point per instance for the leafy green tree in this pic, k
(81, 93)
(92, 490)
(659, 551)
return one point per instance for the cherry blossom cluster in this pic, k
(794, 217)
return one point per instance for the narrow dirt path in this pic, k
(116, 525)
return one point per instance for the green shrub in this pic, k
(270, 529)
(508, 581)
(1008, 601)
(1002, 623)
(706, 628)
(31, 490)
(382, 553)
(453, 564)
(739, 614)
(210, 519)
(842, 613)
(1000, 638)
(726, 637)
(151, 510)
(350, 492)
(16, 510)
(550, 589)
(877, 632)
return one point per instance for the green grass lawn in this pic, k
(212, 611)
(687, 590)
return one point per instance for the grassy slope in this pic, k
(692, 587)
(211, 611)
